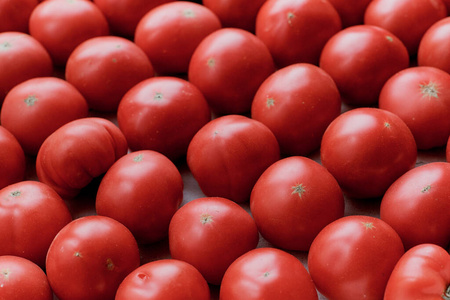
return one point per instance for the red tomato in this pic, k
(423, 272)
(15, 14)
(22, 279)
(165, 279)
(33, 109)
(170, 33)
(447, 152)
(62, 25)
(417, 205)
(77, 152)
(104, 68)
(90, 257)
(296, 30)
(352, 258)
(12, 159)
(360, 59)
(408, 20)
(210, 233)
(227, 156)
(434, 45)
(228, 66)
(30, 209)
(351, 12)
(366, 150)
(420, 96)
(267, 274)
(162, 114)
(297, 103)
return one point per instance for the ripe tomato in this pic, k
(89, 258)
(352, 258)
(33, 109)
(162, 114)
(360, 59)
(296, 30)
(366, 150)
(447, 152)
(434, 45)
(297, 103)
(22, 279)
(351, 12)
(221, 64)
(15, 14)
(267, 274)
(165, 279)
(227, 156)
(420, 96)
(12, 159)
(210, 233)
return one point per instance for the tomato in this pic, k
(210, 233)
(12, 159)
(77, 152)
(221, 64)
(61, 25)
(434, 45)
(33, 109)
(352, 258)
(350, 12)
(15, 14)
(408, 20)
(89, 258)
(104, 68)
(162, 114)
(420, 96)
(296, 30)
(447, 152)
(297, 103)
(170, 33)
(366, 150)
(22, 279)
(165, 279)
(360, 59)
(142, 190)
(228, 154)
(267, 274)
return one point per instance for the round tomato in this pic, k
(434, 45)
(33, 109)
(353, 257)
(447, 152)
(366, 150)
(360, 59)
(12, 159)
(420, 96)
(210, 233)
(15, 14)
(228, 154)
(351, 12)
(228, 66)
(89, 258)
(296, 30)
(162, 114)
(165, 279)
(297, 103)
(267, 274)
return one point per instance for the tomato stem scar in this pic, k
(298, 189)
(426, 189)
(206, 218)
(430, 90)
(446, 295)
(15, 193)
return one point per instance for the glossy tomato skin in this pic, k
(227, 156)
(77, 152)
(297, 103)
(162, 114)
(15, 15)
(416, 205)
(295, 31)
(104, 68)
(360, 59)
(267, 274)
(165, 279)
(22, 279)
(434, 45)
(210, 233)
(12, 159)
(222, 62)
(366, 150)
(420, 96)
(352, 258)
(293, 200)
(34, 109)
(423, 272)
(89, 258)
(351, 12)
(169, 34)
(142, 190)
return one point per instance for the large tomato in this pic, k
(447, 150)
(15, 14)
(350, 11)
(267, 274)
(12, 159)
(366, 150)
(353, 257)
(434, 45)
